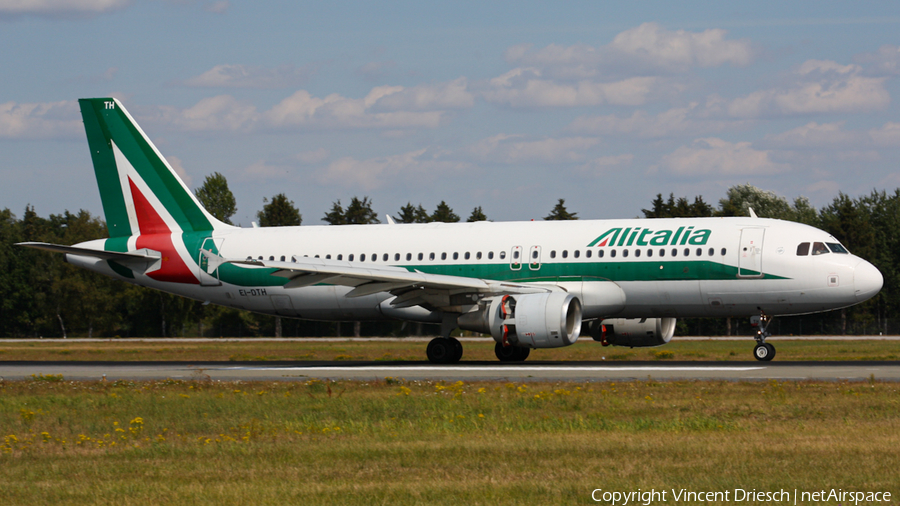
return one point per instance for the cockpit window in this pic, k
(819, 249)
(803, 249)
(837, 248)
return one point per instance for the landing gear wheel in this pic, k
(443, 351)
(764, 352)
(511, 353)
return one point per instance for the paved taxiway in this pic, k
(466, 371)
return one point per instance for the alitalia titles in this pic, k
(642, 236)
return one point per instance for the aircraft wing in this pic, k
(412, 287)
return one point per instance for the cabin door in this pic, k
(750, 251)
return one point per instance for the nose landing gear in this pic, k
(763, 351)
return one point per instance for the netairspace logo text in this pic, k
(737, 495)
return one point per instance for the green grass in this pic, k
(267, 350)
(397, 442)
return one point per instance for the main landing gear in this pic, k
(511, 353)
(445, 349)
(763, 351)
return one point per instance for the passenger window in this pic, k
(478, 256)
(340, 257)
(553, 253)
(625, 253)
(271, 258)
(362, 257)
(803, 249)
(327, 257)
(533, 254)
(468, 255)
(260, 257)
(687, 252)
(421, 256)
(588, 253)
(819, 249)
(490, 255)
(637, 252)
(350, 257)
(409, 257)
(837, 248)
(699, 252)
(712, 251)
(444, 255)
(649, 252)
(502, 255)
(600, 254)
(385, 257)
(396, 257)
(662, 252)
(516, 255)
(456, 255)
(565, 253)
(282, 258)
(674, 252)
(431, 256)
(577, 253)
(612, 254)
(724, 251)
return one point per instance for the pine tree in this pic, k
(477, 215)
(444, 214)
(412, 214)
(560, 212)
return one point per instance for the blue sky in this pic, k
(504, 105)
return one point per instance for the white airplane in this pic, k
(535, 284)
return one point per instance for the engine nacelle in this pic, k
(533, 320)
(635, 333)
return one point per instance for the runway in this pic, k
(465, 371)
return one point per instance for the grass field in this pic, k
(397, 442)
(131, 350)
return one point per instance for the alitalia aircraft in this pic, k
(535, 284)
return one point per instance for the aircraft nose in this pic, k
(867, 281)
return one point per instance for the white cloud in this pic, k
(59, 8)
(48, 120)
(243, 76)
(511, 149)
(675, 122)
(818, 87)
(450, 95)
(603, 164)
(713, 156)
(815, 135)
(884, 62)
(524, 87)
(302, 110)
(680, 50)
(374, 173)
(832, 136)
(312, 157)
(648, 48)
(887, 136)
(219, 113)
(376, 70)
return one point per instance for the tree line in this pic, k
(44, 296)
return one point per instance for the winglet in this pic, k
(752, 213)
(390, 220)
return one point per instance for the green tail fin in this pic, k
(139, 190)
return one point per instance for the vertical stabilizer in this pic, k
(141, 194)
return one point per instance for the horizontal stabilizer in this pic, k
(142, 260)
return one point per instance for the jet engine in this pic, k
(534, 320)
(635, 333)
